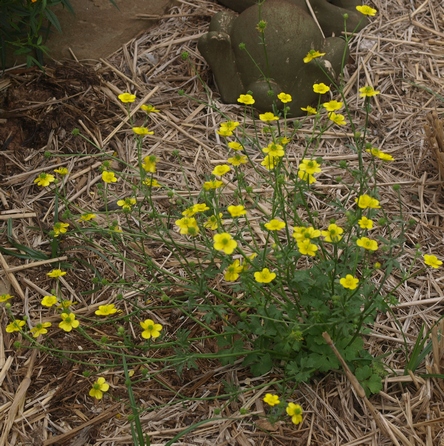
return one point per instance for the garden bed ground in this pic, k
(45, 401)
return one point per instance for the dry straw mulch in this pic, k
(43, 400)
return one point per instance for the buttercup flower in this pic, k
(349, 282)
(284, 97)
(380, 154)
(238, 159)
(214, 184)
(221, 169)
(275, 225)
(69, 322)
(49, 301)
(40, 329)
(150, 329)
(55, 273)
(236, 211)
(15, 325)
(213, 222)
(60, 228)
(148, 108)
(264, 276)
(226, 128)
(432, 261)
(366, 243)
(271, 400)
(333, 233)
(64, 304)
(366, 201)
(246, 99)
(5, 297)
(87, 217)
(268, 117)
(44, 179)
(224, 242)
(142, 131)
(365, 223)
(232, 272)
(188, 226)
(234, 145)
(127, 203)
(149, 163)
(151, 182)
(304, 176)
(106, 310)
(295, 412)
(195, 209)
(301, 233)
(312, 54)
(62, 171)
(127, 97)
(309, 166)
(332, 106)
(337, 118)
(108, 177)
(98, 388)
(307, 248)
(310, 110)
(274, 150)
(366, 10)
(269, 162)
(367, 92)
(321, 88)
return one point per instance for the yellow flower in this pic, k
(49, 301)
(226, 128)
(106, 310)
(5, 297)
(44, 179)
(214, 184)
(264, 276)
(238, 159)
(235, 145)
(142, 131)
(98, 388)
(271, 400)
(150, 329)
(213, 222)
(274, 150)
(108, 177)
(148, 108)
(309, 166)
(307, 248)
(224, 242)
(149, 163)
(66, 304)
(127, 97)
(127, 203)
(304, 176)
(275, 225)
(55, 273)
(15, 325)
(295, 412)
(301, 233)
(333, 233)
(40, 329)
(366, 10)
(365, 223)
(268, 117)
(221, 169)
(225, 132)
(196, 208)
(321, 88)
(366, 201)
(187, 226)
(367, 243)
(367, 92)
(69, 322)
(432, 261)
(270, 162)
(61, 171)
(87, 217)
(337, 118)
(246, 99)
(312, 54)
(236, 211)
(380, 154)
(332, 106)
(151, 182)
(349, 282)
(284, 97)
(60, 228)
(310, 110)
(232, 272)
